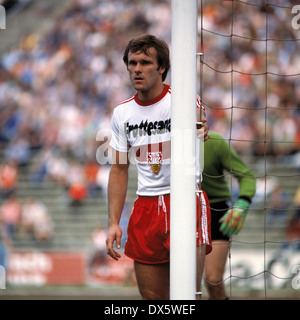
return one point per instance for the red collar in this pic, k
(153, 101)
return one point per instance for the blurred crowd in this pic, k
(58, 87)
(252, 86)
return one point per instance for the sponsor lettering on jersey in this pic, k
(148, 128)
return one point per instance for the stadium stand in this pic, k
(61, 79)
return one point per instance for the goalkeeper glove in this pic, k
(233, 219)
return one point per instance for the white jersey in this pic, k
(145, 128)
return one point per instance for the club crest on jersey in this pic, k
(155, 161)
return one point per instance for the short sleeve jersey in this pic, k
(145, 129)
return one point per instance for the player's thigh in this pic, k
(201, 256)
(215, 261)
(153, 280)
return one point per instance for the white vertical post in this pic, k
(183, 170)
(2, 18)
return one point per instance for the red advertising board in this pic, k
(66, 268)
(111, 271)
(39, 268)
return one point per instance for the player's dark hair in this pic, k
(143, 43)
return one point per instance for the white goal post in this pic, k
(183, 166)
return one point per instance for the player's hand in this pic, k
(234, 218)
(114, 235)
(202, 130)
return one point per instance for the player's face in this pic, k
(144, 72)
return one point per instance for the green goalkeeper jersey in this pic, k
(219, 161)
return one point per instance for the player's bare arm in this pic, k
(117, 189)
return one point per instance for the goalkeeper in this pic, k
(226, 220)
